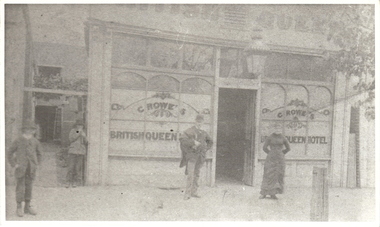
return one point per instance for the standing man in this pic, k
(195, 142)
(25, 155)
(77, 151)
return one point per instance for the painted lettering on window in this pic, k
(303, 139)
(130, 135)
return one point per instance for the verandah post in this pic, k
(319, 198)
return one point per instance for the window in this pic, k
(297, 67)
(48, 77)
(149, 113)
(231, 64)
(305, 113)
(129, 50)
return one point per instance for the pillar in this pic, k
(340, 134)
(98, 103)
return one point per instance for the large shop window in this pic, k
(305, 113)
(297, 67)
(233, 64)
(148, 113)
(130, 51)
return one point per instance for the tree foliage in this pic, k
(353, 30)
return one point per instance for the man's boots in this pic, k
(19, 211)
(28, 209)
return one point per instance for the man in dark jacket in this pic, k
(25, 155)
(195, 142)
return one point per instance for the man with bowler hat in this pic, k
(77, 151)
(25, 155)
(195, 142)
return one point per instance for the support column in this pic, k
(98, 104)
(215, 102)
(340, 134)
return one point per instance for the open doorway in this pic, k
(235, 136)
(46, 118)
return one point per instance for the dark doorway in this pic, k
(46, 117)
(235, 138)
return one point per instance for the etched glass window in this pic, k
(199, 58)
(231, 64)
(276, 66)
(273, 102)
(165, 54)
(129, 50)
(320, 70)
(163, 83)
(196, 86)
(128, 80)
(299, 67)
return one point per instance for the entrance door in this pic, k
(45, 117)
(235, 136)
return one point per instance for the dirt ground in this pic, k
(225, 202)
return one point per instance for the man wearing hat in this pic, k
(195, 142)
(25, 155)
(77, 150)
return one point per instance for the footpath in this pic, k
(137, 202)
(221, 203)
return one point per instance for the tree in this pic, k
(352, 29)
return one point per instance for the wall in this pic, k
(284, 25)
(59, 23)
(15, 44)
(72, 59)
(304, 26)
(15, 47)
(367, 151)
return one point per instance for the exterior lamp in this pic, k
(255, 55)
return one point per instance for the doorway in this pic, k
(235, 136)
(46, 118)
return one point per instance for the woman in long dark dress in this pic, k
(274, 167)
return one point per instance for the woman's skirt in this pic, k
(274, 171)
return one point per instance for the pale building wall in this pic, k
(15, 46)
(367, 137)
(72, 59)
(285, 25)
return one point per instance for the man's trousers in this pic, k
(24, 186)
(193, 171)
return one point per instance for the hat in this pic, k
(79, 122)
(199, 118)
(29, 125)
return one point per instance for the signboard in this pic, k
(150, 123)
(306, 126)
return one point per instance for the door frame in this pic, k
(235, 83)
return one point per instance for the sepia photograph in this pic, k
(189, 112)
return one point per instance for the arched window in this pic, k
(163, 83)
(196, 86)
(128, 80)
